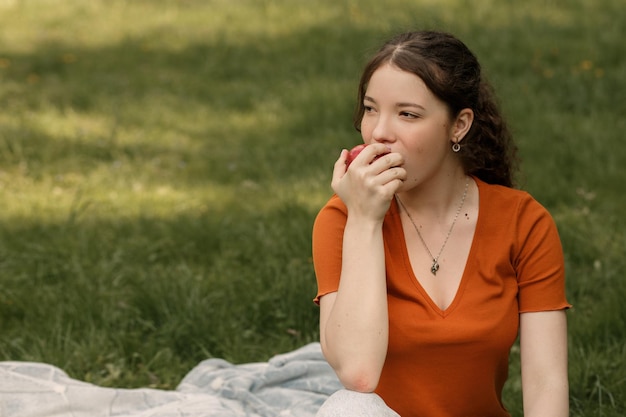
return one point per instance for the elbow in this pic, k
(357, 368)
(359, 378)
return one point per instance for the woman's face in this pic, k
(402, 113)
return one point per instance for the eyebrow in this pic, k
(400, 104)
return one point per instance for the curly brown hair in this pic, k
(453, 74)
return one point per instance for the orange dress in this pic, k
(454, 362)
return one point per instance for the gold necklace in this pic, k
(435, 267)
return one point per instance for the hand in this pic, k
(370, 182)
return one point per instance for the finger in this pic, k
(339, 169)
(390, 175)
(376, 148)
(388, 168)
(392, 187)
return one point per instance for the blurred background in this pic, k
(162, 163)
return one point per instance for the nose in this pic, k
(383, 130)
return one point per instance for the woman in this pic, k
(429, 263)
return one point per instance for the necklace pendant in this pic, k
(435, 267)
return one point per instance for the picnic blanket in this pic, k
(295, 383)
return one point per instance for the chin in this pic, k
(403, 187)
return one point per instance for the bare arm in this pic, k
(543, 343)
(354, 321)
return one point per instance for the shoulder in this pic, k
(515, 216)
(331, 218)
(509, 201)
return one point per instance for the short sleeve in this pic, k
(539, 263)
(327, 246)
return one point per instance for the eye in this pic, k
(367, 109)
(409, 115)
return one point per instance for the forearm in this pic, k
(356, 333)
(543, 341)
(550, 400)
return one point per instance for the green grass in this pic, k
(161, 164)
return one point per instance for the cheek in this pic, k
(366, 129)
(417, 147)
(416, 152)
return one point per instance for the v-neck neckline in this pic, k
(444, 312)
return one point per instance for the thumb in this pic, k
(340, 165)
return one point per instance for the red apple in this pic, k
(353, 153)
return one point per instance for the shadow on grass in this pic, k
(279, 105)
(269, 109)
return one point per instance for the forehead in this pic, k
(389, 82)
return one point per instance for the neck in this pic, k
(437, 197)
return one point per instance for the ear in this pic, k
(462, 124)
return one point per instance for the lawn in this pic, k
(162, 162)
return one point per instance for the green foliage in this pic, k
(162, 162)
